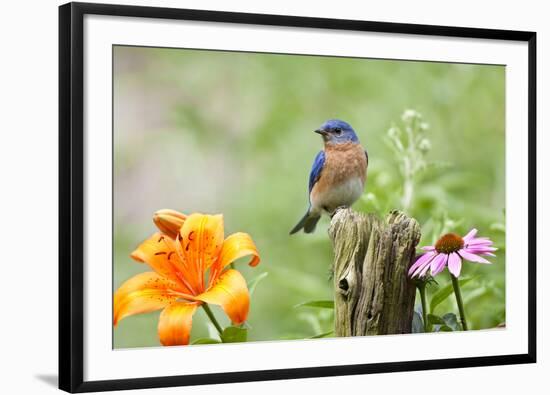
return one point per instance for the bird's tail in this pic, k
(308, 222)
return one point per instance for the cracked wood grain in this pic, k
(373, 295)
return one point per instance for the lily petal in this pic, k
(175, 323)
(142, 293)
(237, 246)
(159, 252)
(201, 238)
(231, 293)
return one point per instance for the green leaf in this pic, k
(206, 340)
(417, 325)
(444, 293)
(474, 295)
(234, 334)
(254, 282)
(451, 321)
(447, 323)
(435, 320)
(321, 335)
(322, 304)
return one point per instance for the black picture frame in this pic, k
(71, 195)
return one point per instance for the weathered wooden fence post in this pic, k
(373, 295)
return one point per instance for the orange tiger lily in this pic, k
(189, 258)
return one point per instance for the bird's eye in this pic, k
(337, 131)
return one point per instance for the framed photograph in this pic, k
(249, 197)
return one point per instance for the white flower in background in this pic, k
(409, 115)
(425, 145)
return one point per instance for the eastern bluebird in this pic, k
(338, 174)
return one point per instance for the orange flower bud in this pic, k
(169, 221)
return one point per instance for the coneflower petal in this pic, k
(438, 264)
(479, 242)
(424, 259)
(472, 257)
(479, 250)
(471, 234)
(454, 264)
(425, 269)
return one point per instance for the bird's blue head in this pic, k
(335, 131)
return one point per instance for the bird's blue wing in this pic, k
(318, 164)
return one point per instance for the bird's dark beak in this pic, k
(322, 132)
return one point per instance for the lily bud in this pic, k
(169, 221)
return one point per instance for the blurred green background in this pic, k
(232, 133)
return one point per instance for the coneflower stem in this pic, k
(422, 290)
(212, 318)
(458, 295)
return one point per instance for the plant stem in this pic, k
(212, 318)
(408, 184)
(458, 295)
(422, 290)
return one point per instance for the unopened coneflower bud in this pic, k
(169, 221)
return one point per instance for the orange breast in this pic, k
(342, 161)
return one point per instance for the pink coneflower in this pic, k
(449, 251)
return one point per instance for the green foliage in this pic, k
(326, 334)
(234, 334)
(444, 292)
(451, 321)
(410, 146)
(435, 319)
(447, 323)
(232, 133)
(417, 324)
(205, 340)
(325, 308)
(323, 304)
(255, 281)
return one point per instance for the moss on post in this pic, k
(373, 295)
